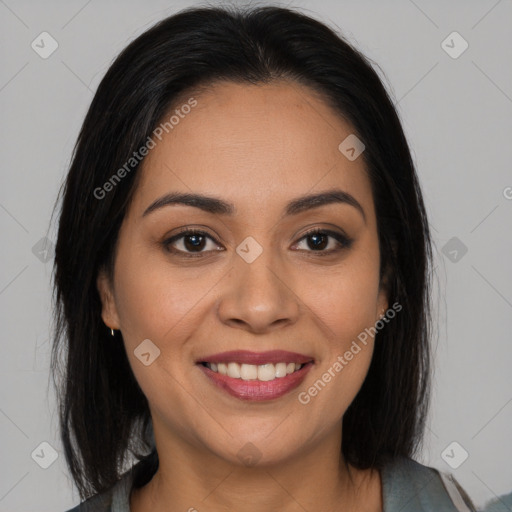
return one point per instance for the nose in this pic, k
(258, 297)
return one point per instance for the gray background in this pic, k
(457, 114)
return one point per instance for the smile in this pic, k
(256, 376)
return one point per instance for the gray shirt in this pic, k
(407, 486)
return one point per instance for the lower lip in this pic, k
(256, 390)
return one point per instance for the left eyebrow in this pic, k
(215, 205)
(310, 201)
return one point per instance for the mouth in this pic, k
(256, 376)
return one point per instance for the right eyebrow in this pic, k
(206, 203)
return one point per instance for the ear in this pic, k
(108, 305)
(384, 287)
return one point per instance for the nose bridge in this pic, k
(257, 294)
(259, 279)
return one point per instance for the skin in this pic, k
(257, 147)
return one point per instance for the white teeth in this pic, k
(266, 372)
(234, 370)
(281, 370)
(262, 372)
(248, 371)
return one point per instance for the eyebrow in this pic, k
(215, 205)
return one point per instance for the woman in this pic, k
(242, 278)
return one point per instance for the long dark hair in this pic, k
(104, 414)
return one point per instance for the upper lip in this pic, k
(256, 358)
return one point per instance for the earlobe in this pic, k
(108, 305)
(382, 300)
(382, 304)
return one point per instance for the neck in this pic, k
(193, 479)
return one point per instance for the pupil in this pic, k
(316, 237)
(195, 244)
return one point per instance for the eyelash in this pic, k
(343, 241)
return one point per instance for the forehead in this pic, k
(253, 144)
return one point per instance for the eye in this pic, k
(190, 241)
(320, 240)
(193, 242)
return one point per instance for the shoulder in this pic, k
(98, 503)
(115, 499)
(500, 504)
(409, 486)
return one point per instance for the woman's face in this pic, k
(254, 282)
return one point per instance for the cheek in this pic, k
(157, 303)
(344, 307)
(345, 301)
(153, 300)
